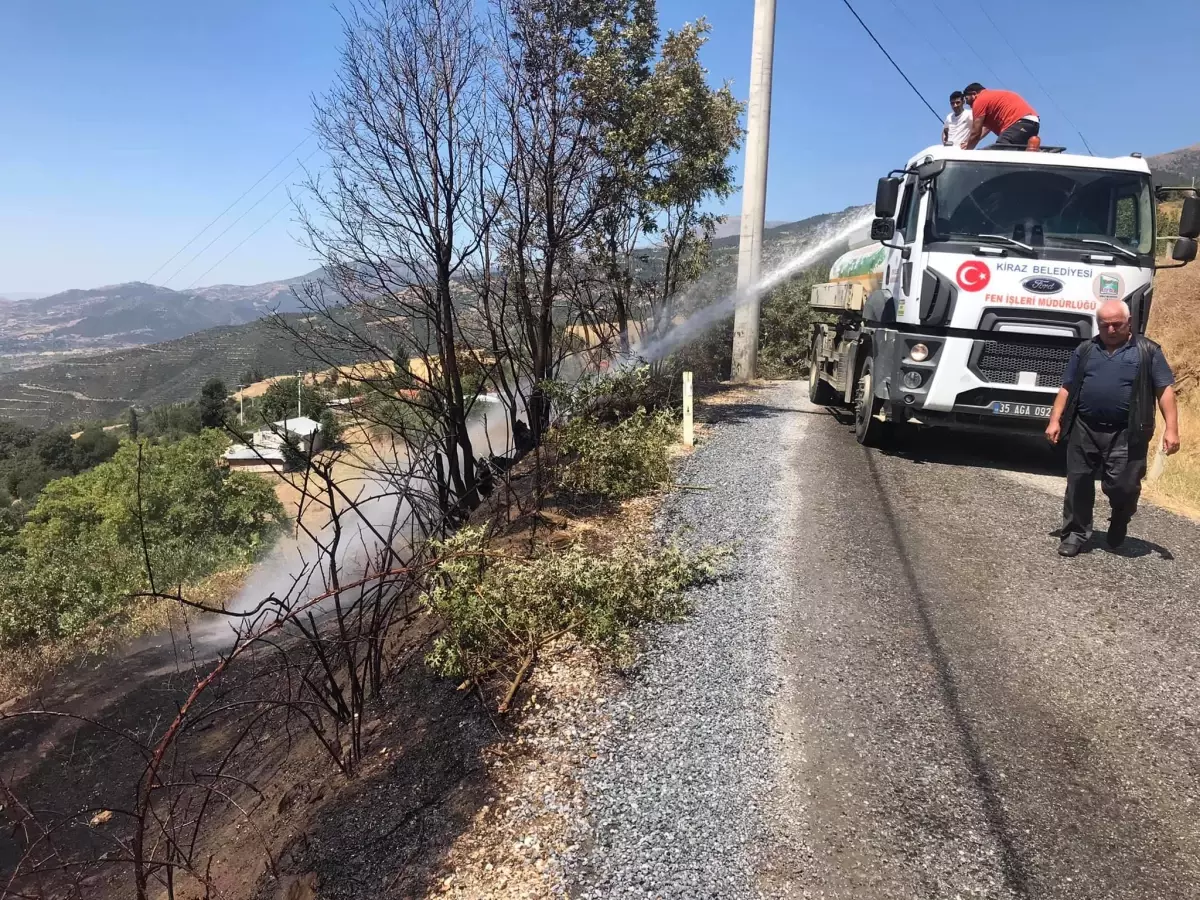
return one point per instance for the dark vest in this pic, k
(1141, 404)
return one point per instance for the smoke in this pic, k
(382, 484)
(825, 239)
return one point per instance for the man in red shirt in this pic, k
(1003, 113)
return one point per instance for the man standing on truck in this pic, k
(1003, 113)
(1105, 409)
(957, 127)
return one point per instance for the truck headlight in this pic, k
(918, 353)
(912, 380)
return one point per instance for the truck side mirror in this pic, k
(1189, 219)
(883, 229)
(1185, 250)
(887, 196)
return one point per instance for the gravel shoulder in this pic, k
(678, 793)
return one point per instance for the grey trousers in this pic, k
(1093, 452)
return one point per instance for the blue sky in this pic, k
(130, 124)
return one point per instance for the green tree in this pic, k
(280, 399)
(80, 555)
(331, 429)
(668, 138)
(786, 329)
(93, 447)
(173, 421)
(252, 375)
(56, 450)
(212, 403)
(133, 424)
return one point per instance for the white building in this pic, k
(265, 453)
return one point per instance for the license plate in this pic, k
(1030, 410)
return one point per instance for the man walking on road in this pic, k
(956, 130)
(1105, 409)
(1003, 113)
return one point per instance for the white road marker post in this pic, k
(689, 435)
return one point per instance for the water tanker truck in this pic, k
(981, 273)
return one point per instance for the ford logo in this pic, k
(1042, 285)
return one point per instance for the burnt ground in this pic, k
(382, 833)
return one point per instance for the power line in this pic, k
(245, 213)
(892, 61)
(928, 43)
(238, 245)
(225, 211)
(962, 37)
(1041, 86)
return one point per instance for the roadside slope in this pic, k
(1175, 323)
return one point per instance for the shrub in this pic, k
(625, 460)
(609, 398)
(501, 609)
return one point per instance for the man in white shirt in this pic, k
(956, 130)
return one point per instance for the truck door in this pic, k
(904, 273)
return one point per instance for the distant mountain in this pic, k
(18, 296)
(1180, 166)
(103, 386)
(270, 295)
(732, 227)
(135, 314)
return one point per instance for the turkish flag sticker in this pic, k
(973, 276)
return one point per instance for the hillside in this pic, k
(1173, 323)
(732, 227)
(780, 243)
(104, 386)
(266, 296)
(1179, 166)
(132, 314)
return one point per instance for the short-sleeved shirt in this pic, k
(999, 110)
(1108, 380)
(958, 127)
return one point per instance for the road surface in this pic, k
(903, 691)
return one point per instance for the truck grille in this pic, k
(999, 363)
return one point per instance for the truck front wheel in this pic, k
(868, 429)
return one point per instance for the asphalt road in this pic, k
(965, 713)
(952, 710)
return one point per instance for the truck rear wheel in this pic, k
(868, 429)
(819, 391)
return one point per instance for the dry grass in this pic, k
(1178, 486)
(1175, 324)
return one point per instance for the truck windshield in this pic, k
(1043, 205)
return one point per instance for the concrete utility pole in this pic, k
(299, 385)
(241, 404)
(754, 192)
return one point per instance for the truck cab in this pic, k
(982, 273)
